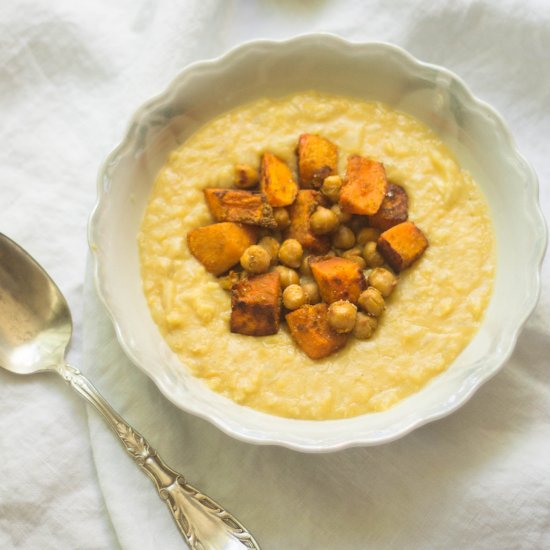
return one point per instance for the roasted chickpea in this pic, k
(331, 187)
(294, 297)
(287, 276)
(246, 176)
(255, 259)
(343, 238)
(305, 268)
(367, 234)
(281, 218)
(372, 256)
(372, 302)
(290, 253)
(312, 292)
(383, 280)
(343, 217)
(271, 245)
(341, 316)
(354, 254)
(364, 326)
(355, 251)
(229, 280)
(323, 221)
(358, 260)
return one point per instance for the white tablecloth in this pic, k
(71, 74)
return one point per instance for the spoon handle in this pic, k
(203, 522)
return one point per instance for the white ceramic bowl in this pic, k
(476, 134)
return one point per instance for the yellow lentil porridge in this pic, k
(432, 315)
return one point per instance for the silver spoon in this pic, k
(35, 329)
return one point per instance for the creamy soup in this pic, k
(431, 316)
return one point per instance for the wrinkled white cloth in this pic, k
(71, 75)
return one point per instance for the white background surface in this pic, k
(71, 75)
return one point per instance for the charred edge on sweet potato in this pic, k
(256, 305)
(393, 210)
(230, 205)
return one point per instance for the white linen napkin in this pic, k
(476, 479)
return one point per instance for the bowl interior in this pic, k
(382, 72)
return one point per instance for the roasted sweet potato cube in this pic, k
(230, 205)
(220, 246)
(317, 159)
(338, 279)
(401, 245)
(393, 210)
(309, 327)
(365, 188)
(276, 181)
(256, 305)
(300, 213)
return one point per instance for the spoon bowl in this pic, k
(35, 324)
(35, 330)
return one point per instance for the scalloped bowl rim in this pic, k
(458, 397)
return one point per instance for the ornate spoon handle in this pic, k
(203, 522)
